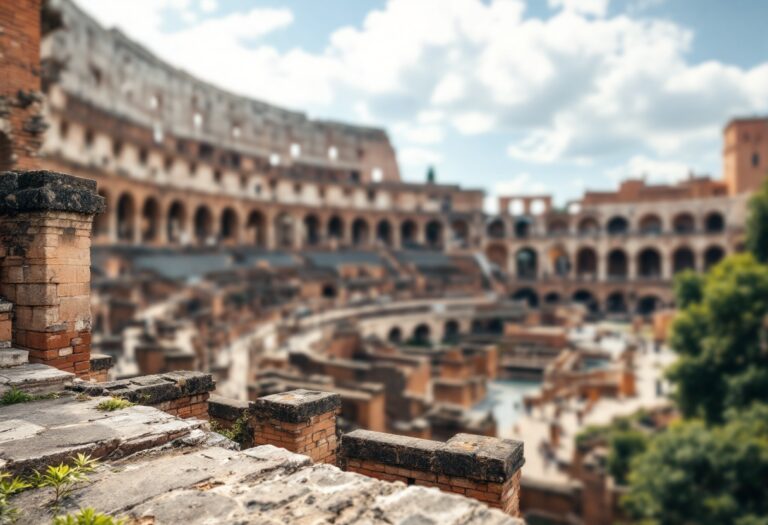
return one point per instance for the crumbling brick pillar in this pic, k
(479, 467)
(302, 421)
(45, 258)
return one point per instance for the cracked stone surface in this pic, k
(34, 378)
(265, 485)
(36, 434)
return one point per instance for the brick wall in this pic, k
(6, 323)
(21, 122)
(302, 421)
(479, 467)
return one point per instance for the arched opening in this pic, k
(552, 298)
(101, 220)
(648, 304)
(408, 233)
(712, 256)
(714, 222)
(588, 226)
(683, 258)
(329, 291)
(618, 265)
(559, 261)
(495, 326)
(150, 218)
(557, 227)
(497, 254)
(360, 233)
(451, 331)
(528, 295)
(496, 229)
(523, 227)
(126, 211)
(478, 327)
(257, 228)
(526, 264)
(336, 228)
(203, 225)
(6, 153)
(617, 226)
(433, 232)
(395, 335)
(460, 232)
(586, 263)
(684, 223)
(649, 264)
(177, 218)
(587, 299)
(384, 232)
(616, 304)
(650, 224)
(421, 335)
(229, 226)
(284, 231)
(311, 230)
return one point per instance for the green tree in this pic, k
(688, 288)
(693, 473)
(431, 175)
(757, 224)
(723, 361)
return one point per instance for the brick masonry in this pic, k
(486, 469)
(301, 421)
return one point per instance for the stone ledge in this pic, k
(151, 390)
(34, 378)
(100, 362)
(226, 409)
(296, 406)
(464, 455)
(25, 191)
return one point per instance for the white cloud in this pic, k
(520, 185)
(473, 123)
(419, 157)
(449, 89)
(208, 6)
(419, 134)
(653, 170)
(587, 7)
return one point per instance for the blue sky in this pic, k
(513, 96)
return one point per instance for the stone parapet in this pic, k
(183, 394)
(480, 467)
(226, 414)
(302, 421)
(100, 366)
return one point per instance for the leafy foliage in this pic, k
(10, 485)
(15, 396)
(757, 224)
(688, 288)
(721, 340)
(239, 432)
(87, 516)
(114, 403)
(708, 475)
(64, 478)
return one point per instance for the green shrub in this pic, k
(87, 516)
(114, 403)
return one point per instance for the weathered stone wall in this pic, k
(483, 468)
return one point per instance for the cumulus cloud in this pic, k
(587, 7)
(473, 123)
(653, 170)
(522, 184)
(420, 158)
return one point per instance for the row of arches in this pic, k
(422, 334)
(648, 224)
(648, 262)
(179, 223)
(616, 302)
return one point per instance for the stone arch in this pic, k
(433, 233)
(126, 217)
(311, 230)
(649, 263)
(422, 335)
(714, 222)
(650, 224)
(395, 335)
(102, 220)
(557, 227)
(648, 304)
(285, 231)
(203, 224)
(588, 226)
(559, 261)
(176, 222)
(523, 227)
(460, 232)
(586, 298)
(618, 264)
(150, 220)
(526, 263)
(451, 331)
(384, 232)
(552, 298)
(496, 229)
(616, 303)
(495, 326)
(498, 255)
(586, 263)
(336, 228)
(713, 255)
(617, 225)
(683, 258)
(329, 291)
(257, 228)
(361, 234)
(683, 223)
(408, 233)
(229, 225)
(528, 295)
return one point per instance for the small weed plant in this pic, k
(114, 403)
(87, 516)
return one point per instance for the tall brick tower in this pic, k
(745, 154)
(21, 122)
